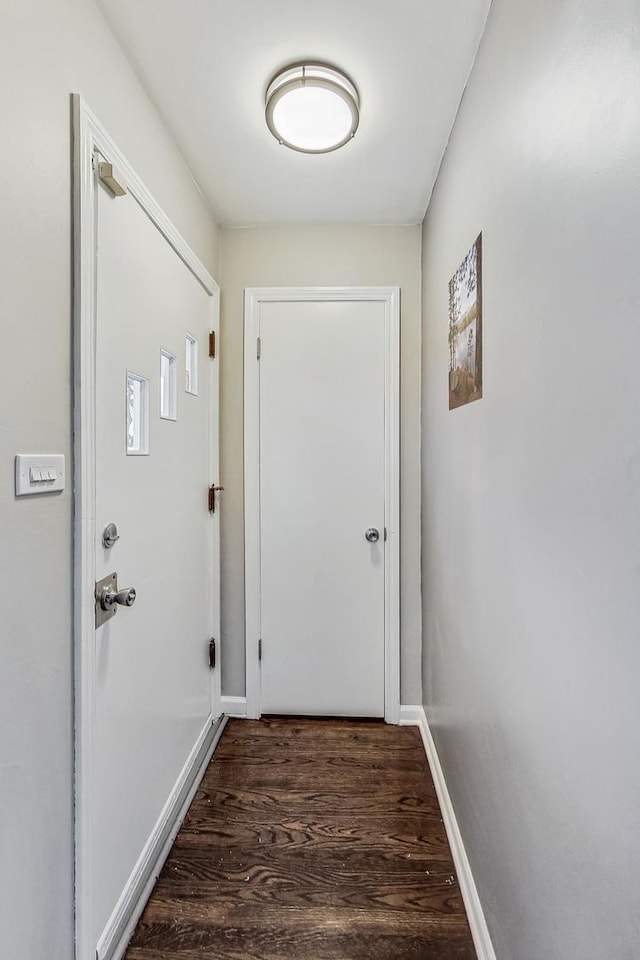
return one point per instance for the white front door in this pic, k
(323, 501)
(153, 697)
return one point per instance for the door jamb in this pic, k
(390, 296)
(90, 139)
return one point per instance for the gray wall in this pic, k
(531, 496)
(47, 50)
(291, 256)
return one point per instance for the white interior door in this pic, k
(323, 456)
(147, 698)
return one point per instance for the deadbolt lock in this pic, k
(110, 536)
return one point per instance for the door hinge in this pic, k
(213, 489)
(259, 650)
(212, 654)
(259, 348)
(212, 345)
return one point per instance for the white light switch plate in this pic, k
(39, 473)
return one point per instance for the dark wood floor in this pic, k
(313, 840)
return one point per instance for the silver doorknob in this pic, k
(372, 535)
(125, 597)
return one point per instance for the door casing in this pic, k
(91, 140)
(390, 296)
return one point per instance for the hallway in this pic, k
(310, 839)
(493, 181)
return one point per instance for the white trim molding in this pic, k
(411, 716)
(416, 716)
(234, 706)
(390, 296)
(92, 145)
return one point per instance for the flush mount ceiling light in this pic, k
(312, 107)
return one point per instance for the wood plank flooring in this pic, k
(313, 840)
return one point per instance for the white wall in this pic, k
(48, 50)
(318, 256)
(531, 496)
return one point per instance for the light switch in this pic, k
(39, 473)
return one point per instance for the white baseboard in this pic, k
(122, 922)
(415, 716)
(411, 716)
(234, 706)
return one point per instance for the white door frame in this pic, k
(90, 141)
(390, 297)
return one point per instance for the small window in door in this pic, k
(191, 365)
(168, 385)
(137, 401)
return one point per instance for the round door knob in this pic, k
(372, 535)
(125, 598)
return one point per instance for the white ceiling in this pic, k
(206, 64)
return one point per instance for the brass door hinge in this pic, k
(212, 345)
(213, 489)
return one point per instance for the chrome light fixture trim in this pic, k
(313, 76)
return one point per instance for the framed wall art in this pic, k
(465, 329)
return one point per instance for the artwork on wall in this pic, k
(465, 329)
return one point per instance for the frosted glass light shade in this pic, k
(312, 108)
